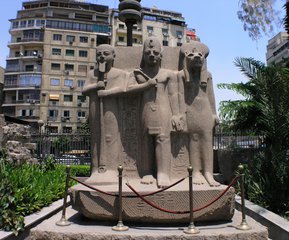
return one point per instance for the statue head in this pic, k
(194, 54)
(152, 52)
(105, 57)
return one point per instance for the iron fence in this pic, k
(70, 149)
(74, 148)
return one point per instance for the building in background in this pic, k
(2, 70)
(168, 26)
(278, 48)
(53, 47)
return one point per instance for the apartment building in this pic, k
(278, 48)
(52, 48)
(168, 26)
(2, 70)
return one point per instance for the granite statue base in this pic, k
(95, 205)
(83, 228)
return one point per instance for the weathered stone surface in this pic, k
(98, 230)
(16, 139)
(102, 207)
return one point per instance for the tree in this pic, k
(265, 111)
(260, 17)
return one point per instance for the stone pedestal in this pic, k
(82, 228)
(99, 206)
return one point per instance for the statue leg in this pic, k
(195, 158)
(147, 155)
(207, 158)
(163, 159)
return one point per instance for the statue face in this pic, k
(152, 56)
(104, 55)
(194, 58)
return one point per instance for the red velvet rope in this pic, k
(128, 196)
(182, 212)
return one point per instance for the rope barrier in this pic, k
(183, 212)
(128, 196)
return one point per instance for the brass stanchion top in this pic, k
(120, 168)
(190, 169)
(241, 168)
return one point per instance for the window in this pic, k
(29, 68)
(52, 129)
(179, 34)
(67, 98)
(56, 51)
(80, 83)
(150, 29)
(82, 68)
(121, 39)
(26, 112)
(40, 23)
(81, 98)
(70, 38)
(81, 114)
(68, 83)
(69, 52)
(55, 66)
(69, 67)
(165, 43)
(135, 40)
(30, 80)
(57, 37)
(67, 129)
(66, 113)
(23, 24)
(54, 82)
(121, 26)
(179, 44)
(165, 31)
(52, 113)
(83, 39)
(82, 53)
(30, 23)
(15, 24)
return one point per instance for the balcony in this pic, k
(11, 102)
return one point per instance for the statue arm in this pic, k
(110, 92)
(211, 97)
(175, 95)
(134, 87)
(181, 93)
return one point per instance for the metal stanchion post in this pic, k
(63, 221)
(244, 225)
(120, 226)
(191, 228)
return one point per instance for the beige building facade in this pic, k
(278, 48)
(52, 48)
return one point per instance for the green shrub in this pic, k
(26, 189)
(80, 170)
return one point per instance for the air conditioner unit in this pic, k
(28, 100)
(165, 34)
(66, 72)
(33, 101)
(43, 94)
(63, 119)
(109, 33)
(71, 87)
(79, 104)
(70, 42)
(150, 31)
(180, 36)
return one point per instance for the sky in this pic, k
(216, 24)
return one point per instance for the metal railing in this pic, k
(69, 149)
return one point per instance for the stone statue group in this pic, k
(169, 101)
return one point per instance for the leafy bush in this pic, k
(26, 189)
(80, 170)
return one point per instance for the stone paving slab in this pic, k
(82, 228)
